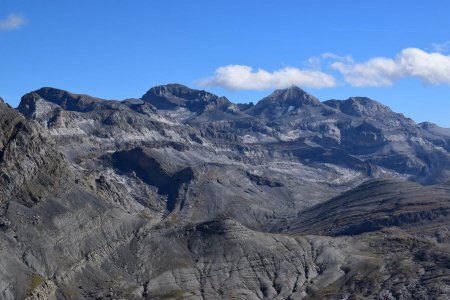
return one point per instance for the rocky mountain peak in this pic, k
(286, 101)
(293, 95)
(62, 98)
(178, 90)
(366, 104)
(358, 106)
(172, 96)
(437, 133)
(428, 125)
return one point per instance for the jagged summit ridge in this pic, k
(64, 99)
(171, 96)
(359, 106)
(350, 129)
(180, 91)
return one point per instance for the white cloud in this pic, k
(431, 68)
(241, 77)
(374, 72)
(313, 63)
(442, 48)
(330, 55)
(12, 22)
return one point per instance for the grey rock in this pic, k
(374, 205)
(183, 194)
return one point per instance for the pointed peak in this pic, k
(285, 102)
(291, 96)
(292, 90)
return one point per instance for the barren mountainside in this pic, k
(182, 194)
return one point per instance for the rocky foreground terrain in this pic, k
(182, 194)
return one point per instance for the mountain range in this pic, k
(182, 194)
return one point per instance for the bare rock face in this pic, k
(64, 99)
(374, 205)
(185, 195)
(360, 107)
(190, 105)
(175, 95)
(231, 261)
(286, 101)
(31, 167)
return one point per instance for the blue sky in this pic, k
(396, 52)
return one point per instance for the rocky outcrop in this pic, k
(372, 206)
(176, 95)
(64, 99)
(167, 177)
(30, 167)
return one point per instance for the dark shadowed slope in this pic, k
(374, 205)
